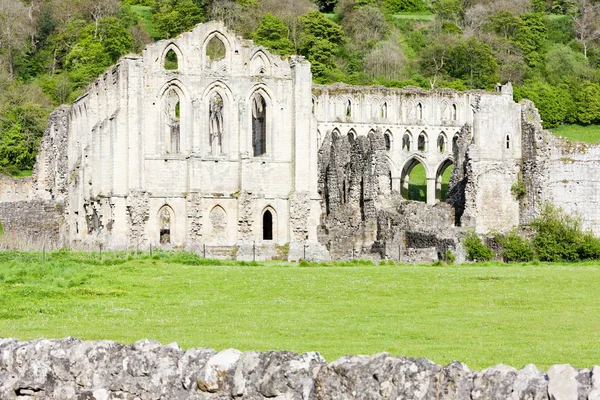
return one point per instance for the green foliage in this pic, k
(398, 6)
(319, 42)
(272, 33)
(173, 17)
(518, 189)
(554, 103)
(587, 101)
(21, 127)
(558, 237)
(476, 249)
(515, 248)
(326, 6)
(472, 61)
(449, 257)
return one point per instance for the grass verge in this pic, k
(579, 133)
(145, 14)
(482, 314)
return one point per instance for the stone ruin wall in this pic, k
(72, 369)
(560, 172)
(32, 209)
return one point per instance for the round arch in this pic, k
(441, 179)
(413, 193)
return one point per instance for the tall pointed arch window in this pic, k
(172, 110)
(259, 125)
(215, 117)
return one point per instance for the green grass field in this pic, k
(579, 133)
(480, 314)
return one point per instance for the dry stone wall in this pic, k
(73, 369)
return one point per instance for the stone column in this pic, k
(431, 191)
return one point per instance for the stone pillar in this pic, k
(431, 191)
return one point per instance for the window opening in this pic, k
(171, 61)
(349, 109)
(259, 125)
(388, 141)
(267, 225)
(422, 143)
(384, 110)
(441, 143)
(173, 115)
(406, 142)
(215, 49)
(507, 142)
(419, 111)
(216, 124)
(165, 225)
(454, 112)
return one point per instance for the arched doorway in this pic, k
(414, 181)
(267, 225)
(165, 216)
(442, 179)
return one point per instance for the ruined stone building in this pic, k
(209, 141)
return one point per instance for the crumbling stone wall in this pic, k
(71, 369)
(363, 217)
(558, 171)
(15, 189)
(33, 223)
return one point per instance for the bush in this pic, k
(557, 236)
(516, 249)
(476, 250)
(449, 257)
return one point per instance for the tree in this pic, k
(326, 6)
(15, 29)
(173, 17)
(100, 9)
(553, 102)
(386, 60)
(365, 27)
(434, 57)
(587, 25)
(289, 11)
(272, 33)
(472, 61)
(319, 42)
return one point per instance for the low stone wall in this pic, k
(31, 224)
(73, 369)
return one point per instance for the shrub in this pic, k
(476, 249)
(449, 257)
(516, 248)
(558, 237)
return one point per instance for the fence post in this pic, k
(44, 251)
(150, 250)
(254, 251)
(204, 250)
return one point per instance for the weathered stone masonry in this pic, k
(238, 152)
(71, 369)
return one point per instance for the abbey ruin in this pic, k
(210, 143)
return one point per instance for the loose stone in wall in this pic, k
(71, 369)
(138, 213)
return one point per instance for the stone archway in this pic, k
(442, 178)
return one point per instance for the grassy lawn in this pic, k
(145, 14)
(482, 315)
(579, 133)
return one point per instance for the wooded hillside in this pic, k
(50, 50)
